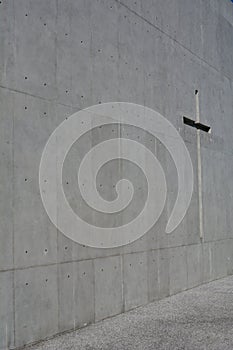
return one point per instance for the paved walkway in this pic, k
(198, 319)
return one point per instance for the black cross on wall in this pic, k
(196, 124)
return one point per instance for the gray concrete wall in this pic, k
(57, 57)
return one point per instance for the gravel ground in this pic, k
(201, 318)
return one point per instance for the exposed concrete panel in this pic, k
(76, 294)
(229, 255)
(220, 256)
(153, 275)
(217, 223)
(164, 277)
(194, 265)
(6, 311)
(207, 262)
(6, 175)
(58, 57)
(34, 69)
(108, 287)
(188, 231)
(7, 49)
(198, 26)
(178, 269)
(175, 19)
(35, 238)
(135, 280)
(36, 304)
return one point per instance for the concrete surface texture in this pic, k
(57, 57)
(197, 319)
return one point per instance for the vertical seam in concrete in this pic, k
(169, 276)
(70, 48)
(202, 263)
(93, 267)
(13, 191)
(13, 223)
(56, 35)
(91, 57)
(144, 76)
(147, 275)
(118, 51)
(158, 271)
(199, 169)
(73, 293)
(58, 296)
(122, 283)
(187, 274)
(6, 335)
(71, 65)
(210, 255)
